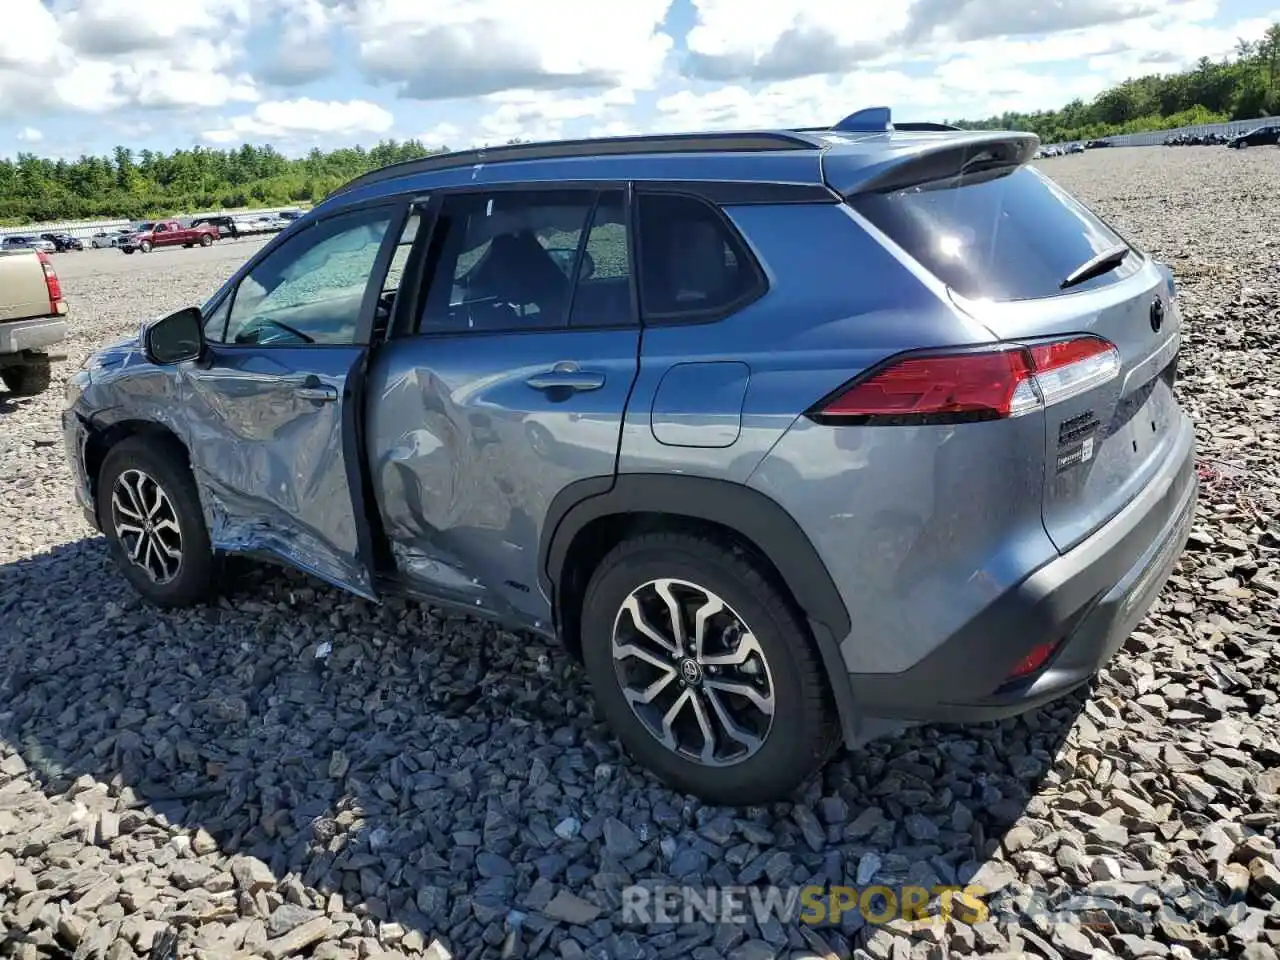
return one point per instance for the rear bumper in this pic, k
(17, 336)
(1088, 601)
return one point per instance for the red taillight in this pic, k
(1033, 661)
(51, 283)
(973, 385)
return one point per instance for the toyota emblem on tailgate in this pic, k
(1157, 314)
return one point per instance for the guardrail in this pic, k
(1153, 138)
(84, 229)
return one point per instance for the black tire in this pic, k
(29, 380)
(206, 240)
(197, 577)
(128, 250)
(145, 246)
(804, 727)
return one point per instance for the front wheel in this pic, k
(206, 240)
(145, 246)
(705, 671)
(149, 510)
(128, 251)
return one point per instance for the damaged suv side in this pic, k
(790, 436)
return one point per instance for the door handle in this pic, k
(566, 376)
(320, 394)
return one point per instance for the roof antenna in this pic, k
(870, 120)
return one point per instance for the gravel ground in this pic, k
(202, 784)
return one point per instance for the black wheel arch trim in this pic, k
(740, 508)
(748, 512)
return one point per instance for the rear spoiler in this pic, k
(884, 163)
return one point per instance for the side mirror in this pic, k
(178, 337)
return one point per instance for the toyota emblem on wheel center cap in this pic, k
(691, 671)
(1157, 315)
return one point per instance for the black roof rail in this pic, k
(909, 126)
(751, 142)
(924, 126)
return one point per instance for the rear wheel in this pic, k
(28, 380)
(149, 510)
(704, 670)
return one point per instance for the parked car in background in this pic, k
(32, 320)
(167, 233)
(108, 239)
(226, 226)
(899, 442)
(1261, 136)
(63, 242)
(1097, 144)
(25, 242)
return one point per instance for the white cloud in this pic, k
(459, 48)
(103, 55)
(968, 80)
(30, 135)
(304, 118)
(441, 135)
(305, 49)
(121, 27)
(788, 39)
(487, 71)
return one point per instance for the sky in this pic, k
(80, 76)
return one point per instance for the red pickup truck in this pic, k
(166, 233)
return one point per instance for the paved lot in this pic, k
(201, 785)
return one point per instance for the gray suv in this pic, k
(791, 437)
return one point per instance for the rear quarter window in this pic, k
(997, 235)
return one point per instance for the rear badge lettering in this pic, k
(1081, 453)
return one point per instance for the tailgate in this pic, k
(23, 292)
(1103, 445)
(1032, 264)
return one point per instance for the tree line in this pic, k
(1243, 86)
(137, 185)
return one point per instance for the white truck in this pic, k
(33, 319)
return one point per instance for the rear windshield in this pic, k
(998, 235)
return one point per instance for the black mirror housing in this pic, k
(178, 337)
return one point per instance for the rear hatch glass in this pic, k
(1005, 242)
(1000, 235)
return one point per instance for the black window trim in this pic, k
(410, 325)
(745, 193)
(741, 250)
(399, 207)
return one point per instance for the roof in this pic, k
(866, 140)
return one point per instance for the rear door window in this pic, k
(997, 235)
(693, 266)
(503, 261)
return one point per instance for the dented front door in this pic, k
(270, 457)
(272, 404)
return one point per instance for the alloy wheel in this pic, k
(146, 524)
(692, 672)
